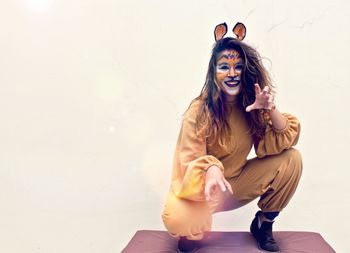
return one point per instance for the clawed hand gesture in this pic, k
(215, 181)
(263, 99)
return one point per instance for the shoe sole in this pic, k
(257, 242)
(266, 250)
(194, 250)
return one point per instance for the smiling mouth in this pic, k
(232, 84)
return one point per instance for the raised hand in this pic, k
(263, 99)
(215, 179)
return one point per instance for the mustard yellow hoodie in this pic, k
(193, 156)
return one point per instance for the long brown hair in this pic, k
(211, 119)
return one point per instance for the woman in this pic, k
(234, 111)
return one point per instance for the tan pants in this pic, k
(273, 178)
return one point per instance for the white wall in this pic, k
(91, 97)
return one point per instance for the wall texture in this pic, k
(91, 98)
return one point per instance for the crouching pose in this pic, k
(234, 112)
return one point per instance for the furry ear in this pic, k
(240, 31)
(220, 31)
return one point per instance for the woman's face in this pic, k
(228, 73)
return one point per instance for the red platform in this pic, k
(150, 241)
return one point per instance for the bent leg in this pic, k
(188, 218)
(273, 178)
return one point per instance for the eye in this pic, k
(224, 67)
(239, 67)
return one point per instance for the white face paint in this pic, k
(232, 91)
(228, 73)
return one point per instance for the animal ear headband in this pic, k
(239, 30)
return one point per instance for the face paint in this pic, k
(228, 73)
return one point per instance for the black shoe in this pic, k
(263, 235)
(185, 246)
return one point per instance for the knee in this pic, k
(185, 218)
(174, 215)
(294, 161)
(171, 222)
(294, 156)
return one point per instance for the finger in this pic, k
(222, 185)
(270, 98)
(228, 186)
(266, 90)
(257, 88)
(250, 107)
(208, 190)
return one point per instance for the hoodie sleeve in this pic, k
(191, 160)
(275, 141)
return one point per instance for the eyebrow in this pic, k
(225, 63)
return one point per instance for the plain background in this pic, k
(91, 98)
